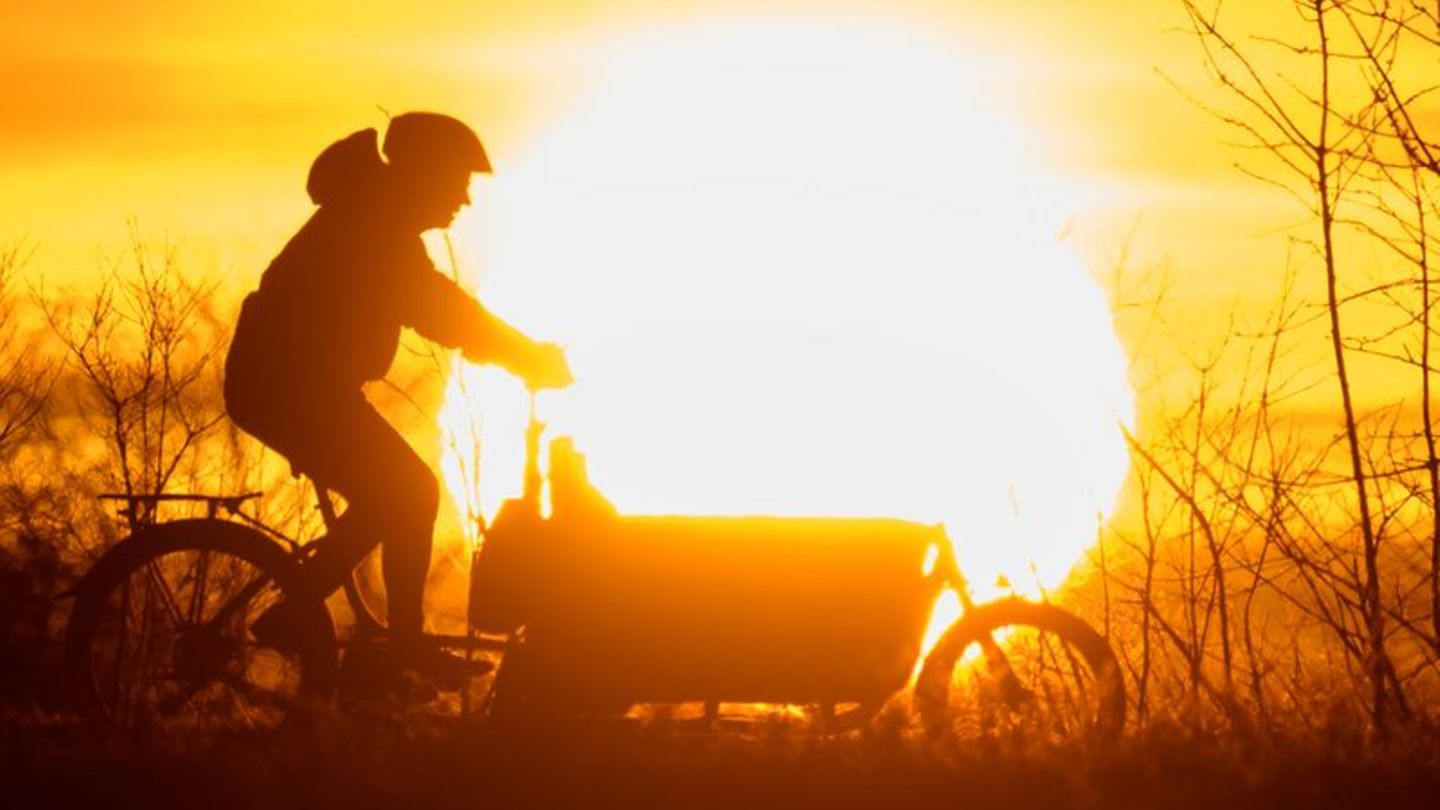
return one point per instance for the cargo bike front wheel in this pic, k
(1024, 670)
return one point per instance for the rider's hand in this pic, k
(548, 368)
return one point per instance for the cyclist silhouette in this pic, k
(326, 318)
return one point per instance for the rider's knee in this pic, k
(421, 495)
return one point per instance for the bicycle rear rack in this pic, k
(140, 506)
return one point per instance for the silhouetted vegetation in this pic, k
(1280, 570)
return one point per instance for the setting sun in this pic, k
(806, 269)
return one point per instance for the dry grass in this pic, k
(432, 761)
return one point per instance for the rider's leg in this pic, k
(399, 510)
(390, 494)
(405, 551)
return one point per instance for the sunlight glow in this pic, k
(805, 269)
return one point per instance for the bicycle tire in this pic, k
(134, 663)
(1067, 681)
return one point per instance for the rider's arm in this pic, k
(444, 312)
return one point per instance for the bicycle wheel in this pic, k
(159, 637)
(1024, 670)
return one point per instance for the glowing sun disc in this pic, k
(807, 269)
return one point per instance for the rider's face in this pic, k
(452, 192)
(436, 196)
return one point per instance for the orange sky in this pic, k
(200, 118)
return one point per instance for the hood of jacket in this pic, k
(348, 172)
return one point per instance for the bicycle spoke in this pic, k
(243, 597)
(197, 590)
(122, 646)
(1059, 708)
(157, 579)
(137, 621)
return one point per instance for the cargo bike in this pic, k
(576, 610)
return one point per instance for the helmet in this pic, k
(431, 140)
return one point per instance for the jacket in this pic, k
(329, 309)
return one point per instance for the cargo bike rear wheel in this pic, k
(160, 638)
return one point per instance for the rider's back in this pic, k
(328, 312)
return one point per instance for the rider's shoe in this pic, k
(448, 672)
(281, 628)
(410, 675)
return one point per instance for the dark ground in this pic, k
(429, 761)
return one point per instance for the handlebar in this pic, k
(533, 431)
